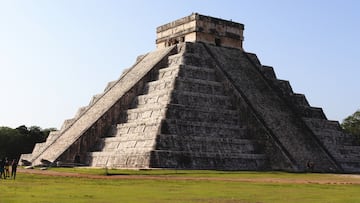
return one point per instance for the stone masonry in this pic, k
(200, 102)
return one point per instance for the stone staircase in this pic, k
(78, 134)
(183, 119)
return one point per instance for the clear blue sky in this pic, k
(55, 55)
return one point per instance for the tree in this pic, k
(351, 124)
(21, 140)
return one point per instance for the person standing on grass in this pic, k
(7, 167)
(2, 165)
(13, 168)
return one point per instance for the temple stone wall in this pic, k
(200, 28)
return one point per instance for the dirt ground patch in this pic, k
(338, 178)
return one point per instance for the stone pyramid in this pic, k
(199, 101)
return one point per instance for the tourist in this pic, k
(7, 167)
(13, 168)
(2, 165)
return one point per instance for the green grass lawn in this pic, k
(41, 188)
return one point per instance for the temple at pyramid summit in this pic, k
(200, 101)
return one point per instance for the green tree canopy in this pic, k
(21, 140)
(351, 124)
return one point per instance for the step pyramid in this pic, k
(199, 101)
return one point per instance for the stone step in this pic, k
(329, 136)
(195, 72)
(188, 71)
(348, 154)
(175, 59)
(198, 128)
(353, 149)
(182, 97)
(139, 122)
(195, 99)
(351, 167)
(132, 151)
(81, 111)
(127, 144)
(328, 132)
(169, 72)
(254, 58)
(131, 136)
(210, 113)
(218, 154)
(311, 112)
(354, 158)
(318, 124)
(110, 142)
(151, 111)
(158, 85)
(53, 135)
(206, 144)
(268, 72)
(138, 126)
(199, 86)
(185, 84)
(110, 85)
(95, 98)
(67, 123)
(39, 147)
(299, 99)
(187, 58)
(194, 59)
(170, 159)
(129, 159)
(203, 113)
(155, 97)
(284, 87)
(178, 159)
